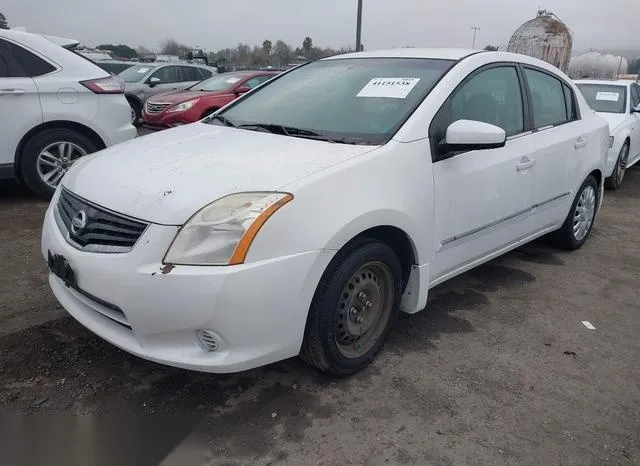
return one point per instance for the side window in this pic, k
(190, 73)
(492, 96)
(572, 113)
(635, 95)
(167, 75)
(547, 99)
(255, 82)
(205, 73)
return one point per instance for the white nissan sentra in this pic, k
(304, 216)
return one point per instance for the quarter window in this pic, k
(20, 63)
(547, 99)
(205, 73)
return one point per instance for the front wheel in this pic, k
(136, 111)
(355, 304)
(578, 224)
(48, 156)
(615, 180)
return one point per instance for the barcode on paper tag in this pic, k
(392, 88)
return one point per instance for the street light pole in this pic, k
(359, 27)
(475, 31)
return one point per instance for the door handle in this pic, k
(525, 164)
(580, 143)
(11, 91)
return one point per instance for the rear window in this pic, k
(605, 98)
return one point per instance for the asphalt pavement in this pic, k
(499, 369)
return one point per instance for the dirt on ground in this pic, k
(499, 369)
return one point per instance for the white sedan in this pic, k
(304, 216)
(618, 102)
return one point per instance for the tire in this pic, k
(366, 276)
(585, 205)
(615, 180)
(58, 143)
(136, 109)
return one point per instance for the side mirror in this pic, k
(153, 81)
(467, 135)
(243, 90)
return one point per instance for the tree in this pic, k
(491, 48)
(634, 67)
(172, 47)
(142, 50)
(266, 47)
(307, 45)
(283, 52)
(120, 50)
(3, 22)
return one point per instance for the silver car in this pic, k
(147, 79)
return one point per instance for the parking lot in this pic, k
(499, 370)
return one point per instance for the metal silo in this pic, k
(544, 37)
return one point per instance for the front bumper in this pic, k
(256, 311)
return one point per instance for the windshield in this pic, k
(135, 73)
(605, 98)
(219, 82)
(354, 100)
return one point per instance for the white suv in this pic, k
(57, 106)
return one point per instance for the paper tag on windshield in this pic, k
(608, 96)
(143, 70)
(393, 88)
(233, 80)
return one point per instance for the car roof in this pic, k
(608, 82)
(32, 38)
(433, 53)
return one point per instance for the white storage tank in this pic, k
(544, 37)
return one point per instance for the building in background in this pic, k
(544, 37)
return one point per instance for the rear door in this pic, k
(189, 75)
(634, 149)
(19, 99)
(169, 80)
(561, 142)
(482, 197)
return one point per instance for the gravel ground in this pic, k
(499, 370)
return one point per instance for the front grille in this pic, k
(156, 107)
(93, 228)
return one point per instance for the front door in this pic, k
(483, 197)
(19, 101)
(168, 80)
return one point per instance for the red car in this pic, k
(176, 108)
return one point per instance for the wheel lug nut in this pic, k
(359, 319)
(362, 296)
(354, 312)
(368, 304)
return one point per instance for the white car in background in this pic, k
(618, 102)
(56, 107)
(305, 215)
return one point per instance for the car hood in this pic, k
(166, 177)
(614, 119)
(182, 96)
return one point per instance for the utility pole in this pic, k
(475, 31)
(359, 27)
(619, 68)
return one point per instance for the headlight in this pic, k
(611, 138)
(221, 232)
(184, 106)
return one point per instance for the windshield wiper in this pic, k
(290, 131)
(223, 119)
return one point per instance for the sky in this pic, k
(217, 24)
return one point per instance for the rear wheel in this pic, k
(355, 304)
(578, 224)
(615, 180)
(48, 155)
